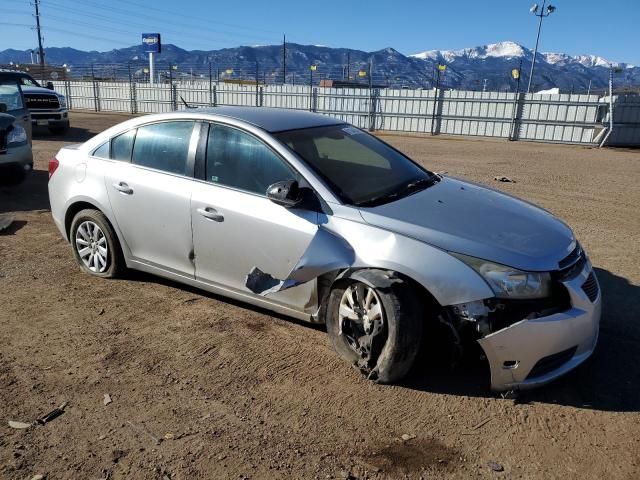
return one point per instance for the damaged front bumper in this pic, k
(533, 352)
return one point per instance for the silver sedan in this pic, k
(313, 218)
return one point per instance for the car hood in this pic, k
(39, 90)
(466, 218)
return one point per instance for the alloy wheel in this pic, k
(362, 320)
(92, 247)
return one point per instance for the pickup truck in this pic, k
(48, 108)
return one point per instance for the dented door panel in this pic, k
(250, 232)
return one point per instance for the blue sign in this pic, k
(151, 42)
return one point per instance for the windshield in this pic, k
(360, 169)
(28, 82)
(10, 95)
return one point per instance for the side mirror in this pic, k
(50, 85)
(286, 193)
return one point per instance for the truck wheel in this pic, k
(378, 329)
(95, 245)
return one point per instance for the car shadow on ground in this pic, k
(608, 381)
(72, 135)
(31, 194)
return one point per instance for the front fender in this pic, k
(448, 279)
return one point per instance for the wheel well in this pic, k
(72, 211)
(338, 278)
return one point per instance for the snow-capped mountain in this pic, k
(496, 50)
(494, 63)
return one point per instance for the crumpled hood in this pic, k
(466, 218)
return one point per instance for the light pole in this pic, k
(542, 13)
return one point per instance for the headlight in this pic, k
(62, 101)
(508, 282)
(16, 135)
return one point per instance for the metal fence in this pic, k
(563, 118)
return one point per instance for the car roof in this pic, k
(271, 119)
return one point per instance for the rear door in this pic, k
(150, 193)
(236, 228)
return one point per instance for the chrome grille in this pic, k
(41, 102)
(570, 266)
(590, 287)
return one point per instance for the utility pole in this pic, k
(40, 48)
(284, 59)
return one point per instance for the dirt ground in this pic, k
(204, 387)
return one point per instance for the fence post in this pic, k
(314, 99)
(96, 99)
(210, 86)
(261, 96)
(132, 92)
(373, 100)
(67, 91)
(174, 96)
(215, 95)
(518, 107)
(258, 103)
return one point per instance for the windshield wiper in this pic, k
(405, 190)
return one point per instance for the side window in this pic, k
(102, 151)
(122, 145)
(163, 146)
(238, 159)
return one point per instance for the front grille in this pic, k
(41, 102)
(551, 363)
(570, 266)
(590, 287)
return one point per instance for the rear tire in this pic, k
(95, 245)
(390, 354)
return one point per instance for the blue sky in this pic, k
(609, 29)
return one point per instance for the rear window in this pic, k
(163, 146)
(102, 151)
(122, 146)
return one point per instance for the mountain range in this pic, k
(487, 66)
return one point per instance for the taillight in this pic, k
(53, 166)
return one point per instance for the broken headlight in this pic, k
(508, 282)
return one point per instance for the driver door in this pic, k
(236, 228)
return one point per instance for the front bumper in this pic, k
(21, 157)
(50, 118)
(531, 353)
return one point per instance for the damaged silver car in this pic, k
(313, 218)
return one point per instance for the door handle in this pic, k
(122, 187)
(25, 118)
(211, 213)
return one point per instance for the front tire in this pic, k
(95, 245)
(376, 328)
